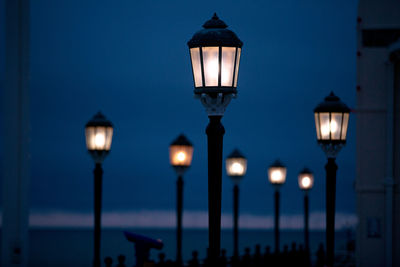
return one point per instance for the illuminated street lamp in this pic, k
(277, 177)
(180, 157)
(236, 166)
(331, 121)
(215, 56)
(99, 132)
(306, 182)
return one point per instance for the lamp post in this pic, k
(236, 166)
(99, 132)
(215, 56)
(331, 121)
(306, 182)
(180, 157)
(277, 177)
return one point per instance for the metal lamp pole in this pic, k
(331, 120)
(98, 133)
(215, 56)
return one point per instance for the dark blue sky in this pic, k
(130, 60)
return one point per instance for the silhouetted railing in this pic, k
(295, 256)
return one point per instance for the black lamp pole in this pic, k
(306, 227)
(331, 169)
(98, 181)
(235, 221)
(276, 226)
(179, 207)
(215, 132)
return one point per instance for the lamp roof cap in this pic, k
(332, 103)
(181, 140)
(277, 164)
(215, 33)
(99, 120)
(236, 154)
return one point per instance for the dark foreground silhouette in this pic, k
(295, 256)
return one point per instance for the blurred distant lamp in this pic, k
(180, 157)
(215, 55)
(331, 121)
(277, 173)
(99, 132)
(277, 177)
(180, 154)
(236, 166)
(306, 182)
(306, 179)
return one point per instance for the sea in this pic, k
(74, 246)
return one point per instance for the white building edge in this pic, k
(378, 133)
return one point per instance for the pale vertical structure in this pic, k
(16, 158)
(378, 133)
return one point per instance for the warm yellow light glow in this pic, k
(211, 65)
(100, 140)
(236, 166)
(334, 126)
(306, 180)
(181, 156)
(277, 175)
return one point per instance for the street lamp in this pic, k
(306, 182)
(99, 132)
(236, 166)
(215, 56)
(277, 177)
(180, 157)
(331, 121)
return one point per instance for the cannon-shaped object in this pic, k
(143, 245)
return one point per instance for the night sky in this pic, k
(130, 60)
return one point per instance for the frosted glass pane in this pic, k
(324, 125)
(345, 124)
(99, 138)
(228, 63)
(239, 50)
(196, 66)
(317, 126)
(211, 65)
(336, 125)
(180, 155)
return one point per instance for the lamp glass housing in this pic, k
(236, 166)
(277, 175)
(306, 180)
(219, 66)
(215, 56)
(180, 155)
(99, 137)
(331, 120)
